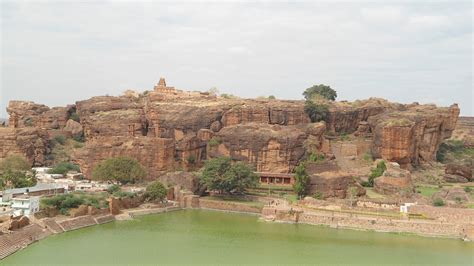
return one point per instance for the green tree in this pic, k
(221, 175)
(321, 90)
(376, 172)
(17, 179)
(156, 191)
(316, 112)
(121, 169)
(301, 180)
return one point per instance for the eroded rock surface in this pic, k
(334, 185)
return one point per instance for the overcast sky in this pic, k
(56, 53)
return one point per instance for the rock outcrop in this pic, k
(334, 185)
(30, 142)
(269, 148)
(394, 181)
(459, 170)
(412, 135)
(169, 128)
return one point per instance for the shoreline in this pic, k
(131, 214)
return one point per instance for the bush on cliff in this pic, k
(156, 191)
(316, 112)
(120, 169)
(301, 180)
(320, 90)
(15, 163)
(221, 175)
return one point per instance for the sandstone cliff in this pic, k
(167, 129)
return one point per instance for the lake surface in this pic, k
(211, 237)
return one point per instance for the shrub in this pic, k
(191, 159)
(271, 97)
(438, 202)
(376, 172)
(113, 188)
(79, 138)
(64, 167)
(221, 175)
(156, 191)
(121, 169)
(321, 90)
(315, 157)
(60, 139)
(318, 195)
(124, 194)
(467, 189)
(17, 179)
(214, 141)
(28, 122)
(74, 116)
(316, 112)
(368, 157)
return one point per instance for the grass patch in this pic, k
(427, 191)
(372, 194)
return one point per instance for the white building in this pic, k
(25, 205)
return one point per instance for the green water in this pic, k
(209, 237)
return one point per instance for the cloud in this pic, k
(56, 53)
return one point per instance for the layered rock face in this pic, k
(412, 135)
(168, 128)
(32, 143)
(270, 148)
(155, 154)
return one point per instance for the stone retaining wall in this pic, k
(228, 206)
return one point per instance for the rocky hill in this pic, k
(167, 129)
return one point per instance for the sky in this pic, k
(56, 53)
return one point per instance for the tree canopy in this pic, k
(14, 162)
(221, 175)
(121, 169)
(321, 90)
(15, 173)
(301, 180)
(156, 191)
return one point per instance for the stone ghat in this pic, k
(84, 221)
(10, 243)
(335, 219)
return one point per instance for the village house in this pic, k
(25, 205)
(41, 189)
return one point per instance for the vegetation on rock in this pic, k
(316, 111)
(120, 169)
(221, 175)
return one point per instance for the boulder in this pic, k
(74, 127)
(334, 185)
(460, 170)
(453, 194)
(394, 181)
(454, 178)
